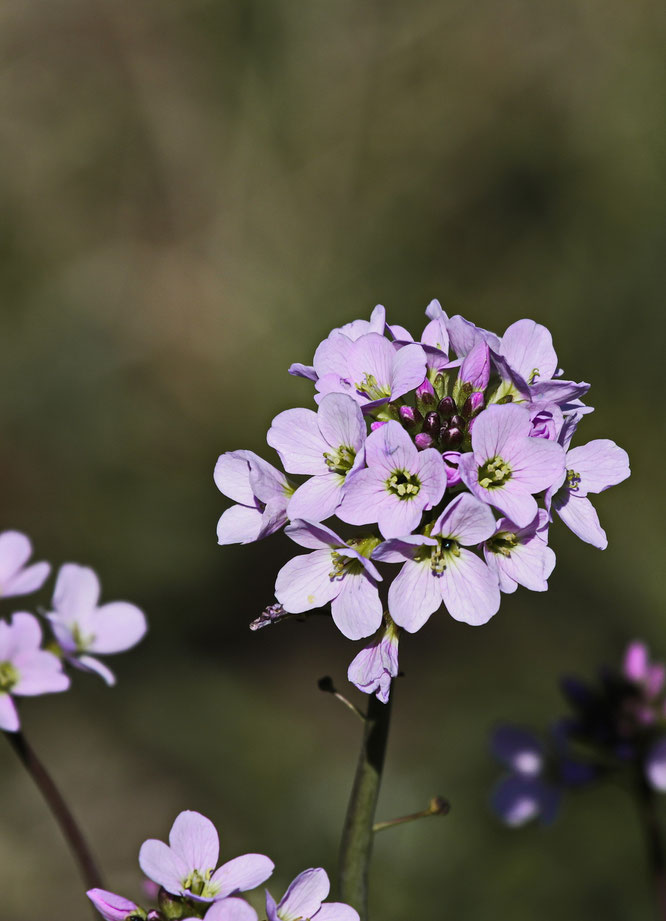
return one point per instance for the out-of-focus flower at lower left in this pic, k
(26, 670)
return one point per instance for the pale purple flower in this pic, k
(398, 484)
(26, 670)
(528, 348)
(372, 370)
(373, 669)
(524, 794)
(324, 444)
(15, 577)
(186, 866)
(438, 568)
(590, 468)
(261, 491)
(114, 907)
(333, 347)
(304, 901)
(82, 626)
(655, 765)
(336, 571)
(521, 556)
(506, 466)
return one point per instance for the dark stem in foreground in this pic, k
(59, 808)
(647, 804)
(357, 835)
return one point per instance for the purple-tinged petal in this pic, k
(364, 494)
(464, 335)
(341, 421)
(397, 517)
(580, 516)
(401, 548)
(231, 909)
(9, 719)
(268, 483)
(26, 581)
(43, 674)
(496, 426)
(242, 873)
(528, 564)
(295, 436)
(271, 908)
(297, 369)
(655, 765)
(194, 839)
(274, 517)
(409, 369)
(112, 907)
(375, 666)
(451, 460)
(331, 359)
(518, 749)
(313, 535)
(118, 626)
(317, 498)
(239, 525)
(232, 476)
(357, 610)
(305, 582)
(15, 551)
(372, 356)
(469, 589)
(91, 664)
(76, 591)
(436, 334)
(305, 895)
(159, 863)
(414, 595)
(431, 471)
(475, 369)
(600, 465)
(636, 662)
(336, 911)
(465, 520)
(24, 635)
(557, 391)
(528, 347)
(390, 448)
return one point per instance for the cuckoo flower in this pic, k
(335, 571)
(591, 468)
(506, 466)
(330, 356)
(81, 626)
(325, 444)
(15, 577)
(438, 568)
(304, 901)
(372, 370)
(186, 866)
(375, 666)
(521, 556)
(398, 484)
(260, 491)
(25, 669)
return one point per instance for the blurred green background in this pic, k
(194, 193)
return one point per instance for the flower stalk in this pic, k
(358, 832)
(59, 808)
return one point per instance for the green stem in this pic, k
(59, 808)
(357, 835)
(655, 845)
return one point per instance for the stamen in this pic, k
(8, 676)
(403, 484)
(340, 461)
(494, 473)
(573, 480)
(372, 389)
(503, 542)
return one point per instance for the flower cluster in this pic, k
(81, 628)
(192, 886)
(618, 728)
(448, 456)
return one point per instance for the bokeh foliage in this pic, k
(194, 193)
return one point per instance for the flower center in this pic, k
(494, 473)
(573, 480)
(438, 556)
(403, 484)
(8, 676)
(198, 883)
(344, 566)
(372, 389)
(82, 641)
(340, 461)
(503, 542)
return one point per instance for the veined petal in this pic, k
(364, 494)
(496, 426)
(401, 548)
(528, 347)
(580, 516)
(372, 356)
(231, 909)
(305, 582)
(332, 356)
(159, 863)
(239, 525)
(341, 421)
(117, 626)
(298, 369)
(317, 498)
(557, 391)
(336, 911)
(469, 589)
(396, 517)
(9, 720)
(305, 895)
(357, 610)
(466, 520)
(409, 370)
(536, 462)
(194, 839)
(600, 464)
(232, 476)
(390, 448)
(242, 873)
(414, 595)
(295, 436)
(514, 502)
(313, 534)
(76, 591)
(267, 482)
(464, 335)
(432, 473)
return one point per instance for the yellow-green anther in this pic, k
(340, 461)
(8, 676)
(503, 542)
(495, 472)
(371, 388)
(573, 480)
(404, 485)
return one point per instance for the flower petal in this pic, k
(341, 421)
(159, 863)
(600, 464)
(317, 498)
(26, 581)
(242, 873)
(305, 895)
(469, 589)
(357, 610)
(313, 534)
(42, 674)
(409, 370)
(76, 591)
(580, 516)
(528, 347)
(305, 582)
(232, 476)
(9, 720)
(518, 749)
(231, 909)
(112, 907)
(336, 911)
(466, 520)
(194, 839)
(91, 664)
(117, 626)
(295, 436)
(15, 551)
(390, 448)
(239, 525)
(496, 426)
(414, 595)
